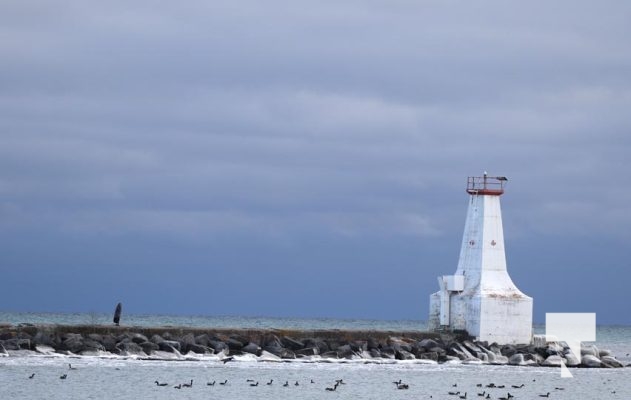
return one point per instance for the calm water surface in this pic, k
(210, 321)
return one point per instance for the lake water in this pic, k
(126, 378)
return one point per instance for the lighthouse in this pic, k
(480, 297)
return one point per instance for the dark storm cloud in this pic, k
(287, 120)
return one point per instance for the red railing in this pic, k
(489, 185)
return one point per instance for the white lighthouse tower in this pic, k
(480, 297)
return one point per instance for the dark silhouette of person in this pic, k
(117, 313)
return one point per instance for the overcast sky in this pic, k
(309, 158)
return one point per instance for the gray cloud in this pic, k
(284, 120)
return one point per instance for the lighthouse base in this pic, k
(503, 318)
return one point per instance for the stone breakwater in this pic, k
(281, 345)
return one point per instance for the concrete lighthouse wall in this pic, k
(488, 305)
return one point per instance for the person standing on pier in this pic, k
(117, 313)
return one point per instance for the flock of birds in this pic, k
(400, 385)
(485, 394)
(251, 382)
(491, 386)
(64, 376)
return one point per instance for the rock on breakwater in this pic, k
(285, 344)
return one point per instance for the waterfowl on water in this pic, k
(188, 385)
(161, 384)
